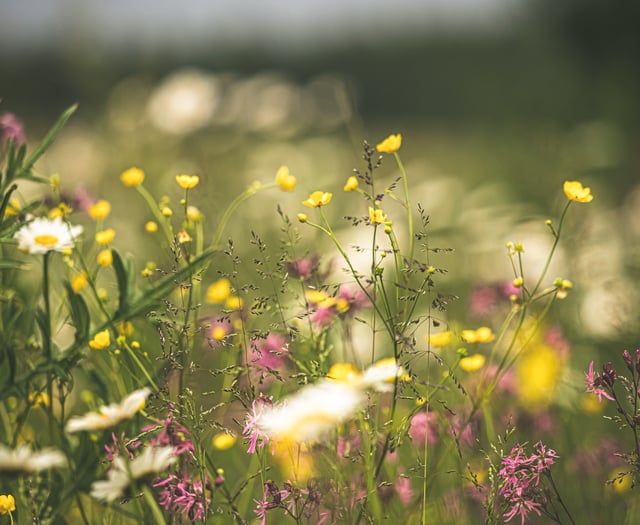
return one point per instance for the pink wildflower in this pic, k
(423, 427)
(277, 499)
(521, 475)
(403, 488)
(252, 429)
(11, 128)
(183, 496)
(268, 356)
(171, 434)
(595, 383)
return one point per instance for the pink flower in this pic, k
(596, 382)
(252, 430)
(11, 128)
(403, 489)
(423, 427)
(171, 434)
(183, 496)
(521, 475)
(269, 355)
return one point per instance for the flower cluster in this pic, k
(522, 475)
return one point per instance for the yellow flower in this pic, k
(285, 181)
(218, 333)
(151, 227)
(576, 192)
(132, 177)
(219, 291)
(125, 328)
(187, 182)
(391, 144)
(101, 340)
(344, 372)
(622, 480)
(538, 372)
(320, 298)
(351, 184)
(439, 340)
(105, 237)
(472, 363)
(105, 258)
(12, 208)
(194, 214)
(233, 303)
(481, 335)
(37, 399)
(223, 441)
(377, 216)
(166, 211)
(184, 237)
(100, 210)
(79, 282)
(317, 199)
(7, 504)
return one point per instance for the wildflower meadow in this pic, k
(304, 349)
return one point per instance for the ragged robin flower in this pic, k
(132, 177)
(317, 199)
(576, 192)
(391, 144)
(284, 180)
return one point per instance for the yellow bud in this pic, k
(105, 258)
(302, 217)
(132, 177)
(194, 214)
(79, 282)
(151, 227)
(167, 212)
(351, 184)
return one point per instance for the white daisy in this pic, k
(23, 459)
(151, 461)
(110, 415)
(43, 235)
(312, 411)
(382, 375)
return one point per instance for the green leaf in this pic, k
(79, 313)
(6, 199)
(123, 284)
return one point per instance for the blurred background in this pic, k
(498, 101)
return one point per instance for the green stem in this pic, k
(407, 204)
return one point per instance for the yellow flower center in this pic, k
(46, 239)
